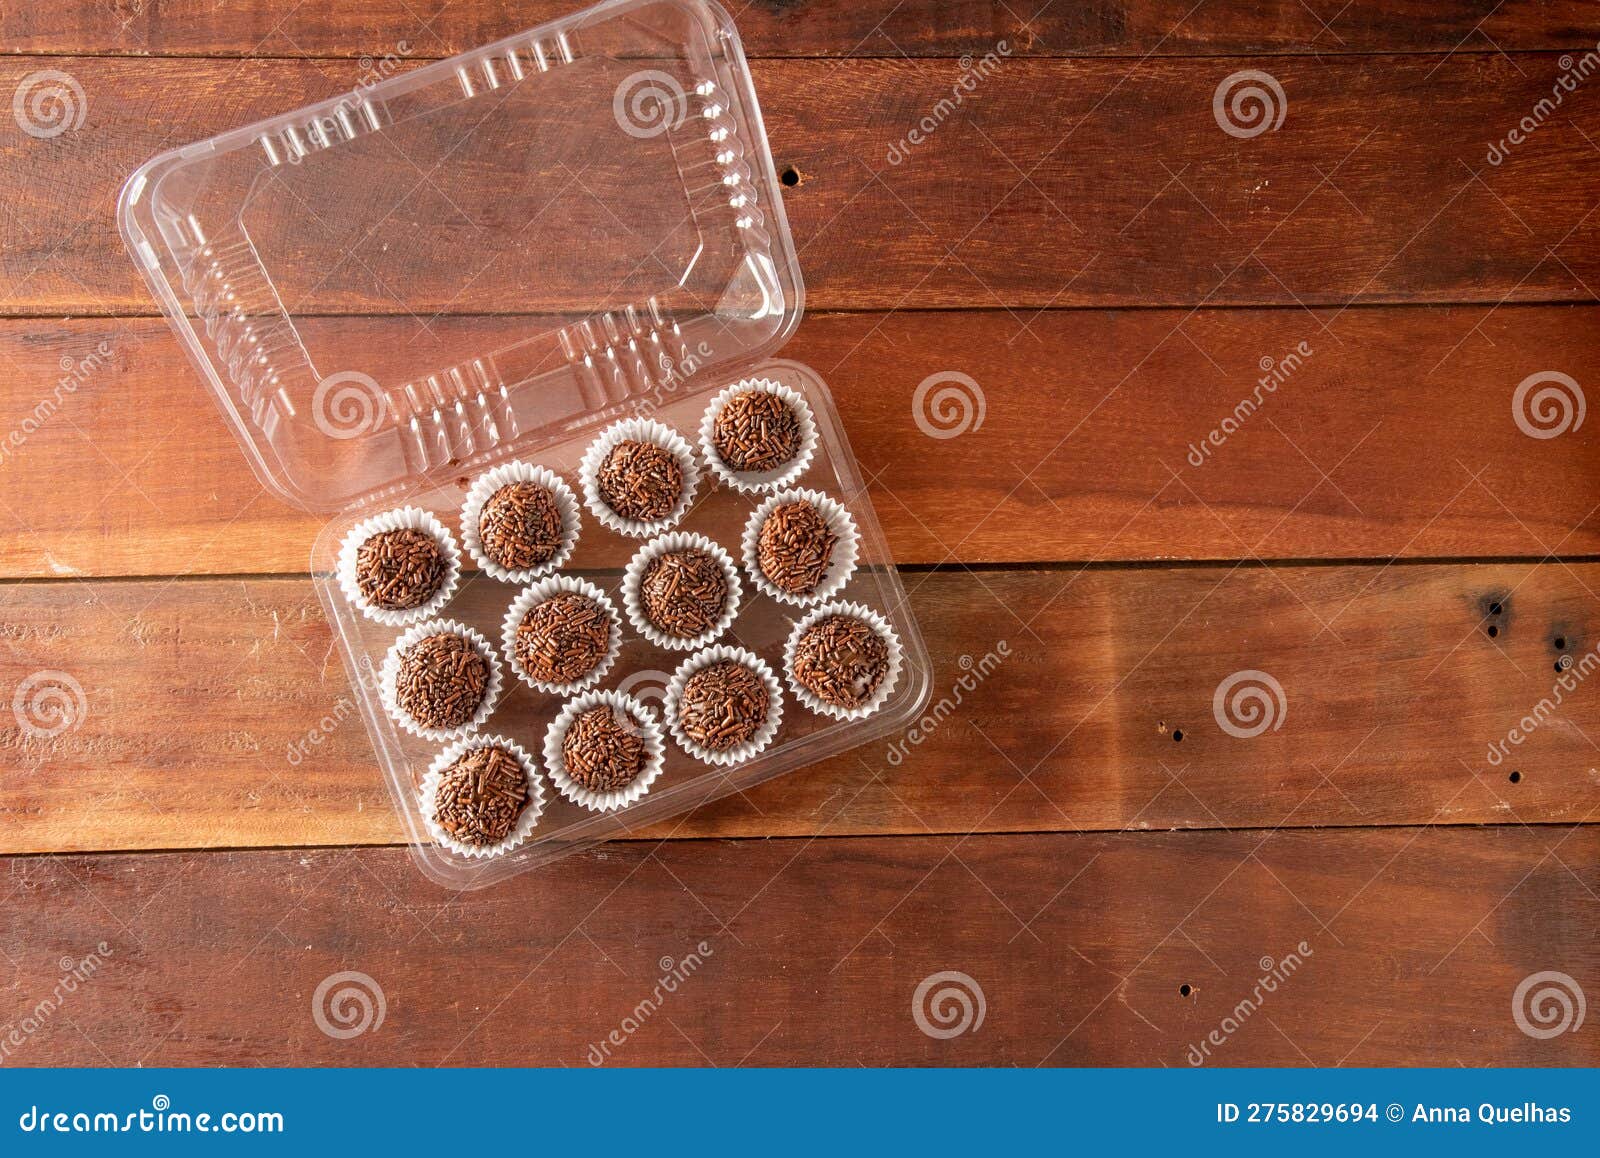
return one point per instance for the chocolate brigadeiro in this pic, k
(401, 569)
(841, 660)
(441, 681)
(519, 526)
(756, 431)
(561, 640)
(683, 592)
(603, 749)
(640, 481)
(723, 705)
(795, 547)
(481, 796)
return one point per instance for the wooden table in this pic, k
(1115, 873)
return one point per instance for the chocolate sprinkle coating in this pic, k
(603, 749)
(841, 660)
(640, 480)
(683, 592)
(481, 796)
(561, 640)
(756, 431)
(441, 681)
(794, 547)
(520, 526)
(723, 705)
(399, 570)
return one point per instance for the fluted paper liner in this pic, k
(749, 481)
(751, 747)
(633, 578)
(548, 588)
(400, 519)
(428, 794)
(391, 672)
(654, 751)
(637, 430)
(841, 565)
(885, 686)
(483, 489)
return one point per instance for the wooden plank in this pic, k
(823, 28)
(1091, 425)
(213, 715)
(1379, 946)
(435, 28)
(1084, 183)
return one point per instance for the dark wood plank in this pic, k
(213, 714)
(435, 28)
(1133, 193)
(1091, 424)
(1394, 946)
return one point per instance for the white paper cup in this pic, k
(428, 793)
(484, 488)
(633, 600)
(885, 686)
(654, 752)
(751, 747)
(548, 588)
(753, 482)
(841, 565)
(401, 519)
(637, 430)
(391, 672)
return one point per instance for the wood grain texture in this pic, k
(1091, 183)
(1398, 946)
(1089, 424)
(214, 716)
(433, 28)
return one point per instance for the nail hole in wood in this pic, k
(1515, 778)
(1177, 735)
(1561, 643)
(790, 177)
(1493, 631)
(1495, 609)
(1185, 989)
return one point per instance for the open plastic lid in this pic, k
(475, 255)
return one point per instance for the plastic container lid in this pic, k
(553, 224)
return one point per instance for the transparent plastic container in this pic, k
(492, 258)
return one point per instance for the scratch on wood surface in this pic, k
(1122, 996)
